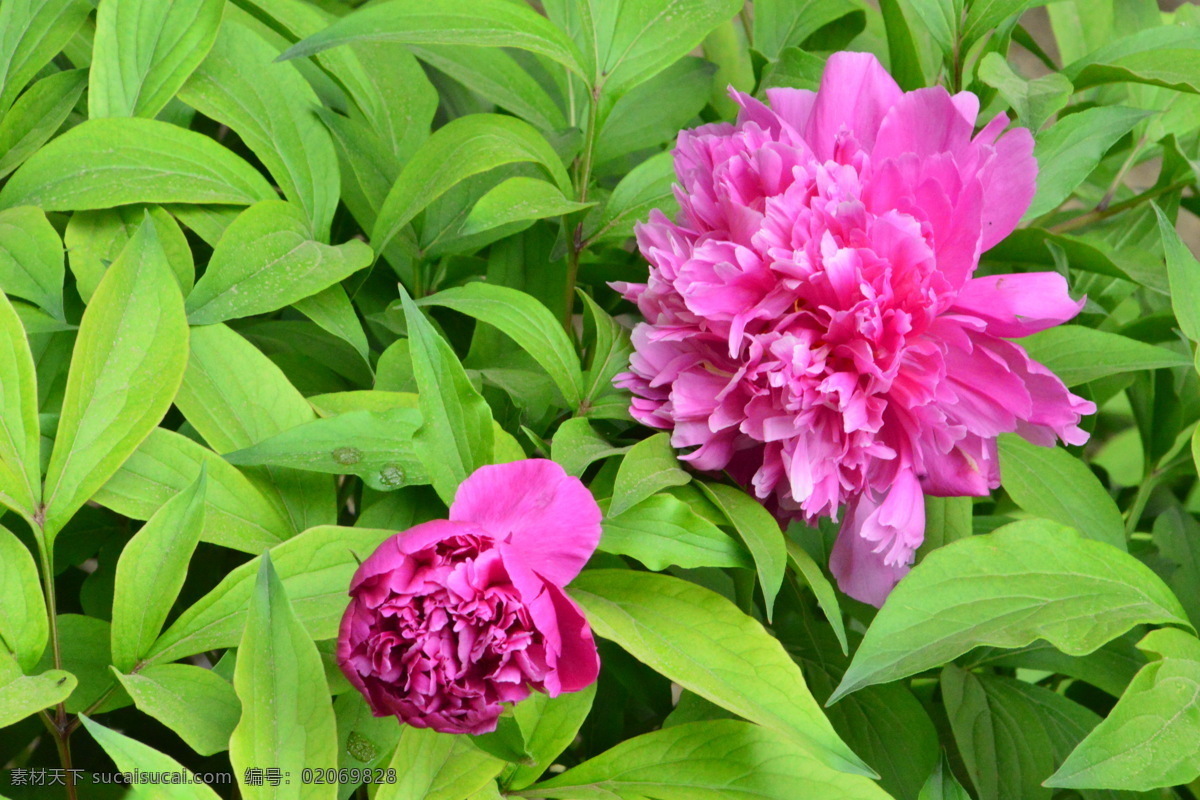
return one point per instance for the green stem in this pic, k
(1116, 182)
(1117, 208)
(1139, 503)
(575, 246)
(57, 726)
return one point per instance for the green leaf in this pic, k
(759, 531)
(984, 15)
(1003, 739)
(779, 24)
(1049, 482)
(486, 23)
(701, 641)
(196, 703)
(941, 20)
(151, 572)
(947, 519)
(649, 467)
(1149, 738)
(464, 147)
(804, 564)
(608, 354)
(37, 115)
(550, 724)
(456, 436)
(709, 760)
(517, 200)
(662, 531)
(31, 259)
(1078, 354)
(1038, 248)
(287, 720)
(652, 113)
(132, 756)
(266, 260)
(495, 74)
(942, 785)
(1033, 101)
(576, 445)
(22, 696)
(271, 107)
(376, 446)
(1162, 56)
(332, 311)
(104, 163)
(650, 35)
(315, 568)
(31, 33)
(144, 50)
(903, 58)
(236, 513)
(24, 629)
(1028, 580)
(127, 365)
(236, 397)
(437, 766)
(1183, 271)
(529, 323)
(20, 433)
(1177, 536)
(885, 725)
(1068, 152)
(94, 239)
(647, 186)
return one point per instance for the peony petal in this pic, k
(925, 122)
(578, 663)
(861, 572)
(1019, 304)
(392, 554)
(538, 513)
(856, 93)
(1009, 183)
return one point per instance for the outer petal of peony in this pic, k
(877, 541)
(855, 94)
(1019, 304)
(570, 649)
(539, 515)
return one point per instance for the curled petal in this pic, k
(538, 513)
(1019, 304)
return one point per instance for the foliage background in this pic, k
(262, 313)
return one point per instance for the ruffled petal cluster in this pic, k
(812, 320)
(452, 618)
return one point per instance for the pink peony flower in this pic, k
(812, 323)
(451, 618)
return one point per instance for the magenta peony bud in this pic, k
(452, 618)
(813, 322)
